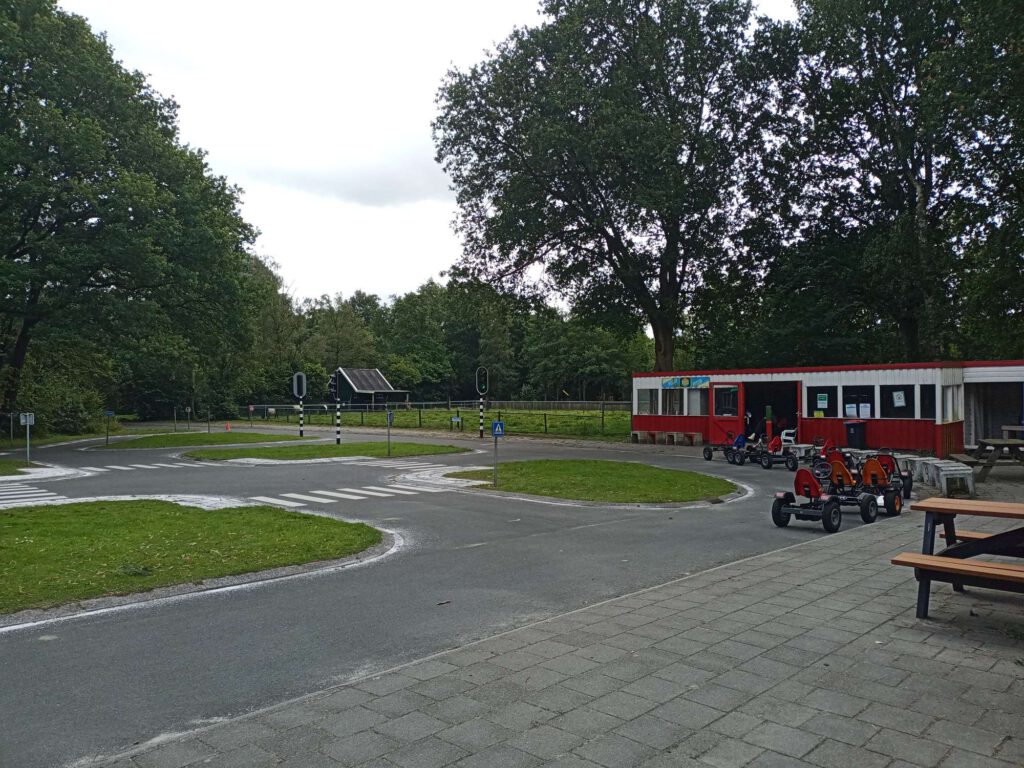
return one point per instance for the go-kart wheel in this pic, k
(908, 485)
(779, 517)
(893, 503)
(740, 458)
(730, 455)
(791, 463)
(766, 460)
(831, 516)
(868, 510)
(708, 453)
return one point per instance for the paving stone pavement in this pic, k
(808, 656)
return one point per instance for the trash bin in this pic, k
(856, 434)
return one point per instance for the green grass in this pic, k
(322, 451)
(612, 481)
(13, 466)
(185, 439)
(586, 424)
(58, 554)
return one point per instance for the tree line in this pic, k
(844, 188)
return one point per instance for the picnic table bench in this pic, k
(954, 564)
(1016, 428)
(990, 450)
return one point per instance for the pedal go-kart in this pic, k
(819, 505)
(849, 492)
(899, 477)
(881, 484)
(775, 452)
(727, 449)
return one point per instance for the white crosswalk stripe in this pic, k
(364, 491)
(389, 490)
(95, 469)
(169, 466)
(19, 494)
(279, 502)
(335, 494)
(314, 499)
(117, 466)
(419, 488)
(143, 466)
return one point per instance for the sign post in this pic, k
(251, 409)
(108, 414)
(391, 420)
(481, 389)
(299, 390)
(27, 420)
(188, 416)
(497, 430)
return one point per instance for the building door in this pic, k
(726, 412)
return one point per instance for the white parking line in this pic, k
(389, 489)
(279, 502)
(350, 496)
(360, 490)
(314, 499)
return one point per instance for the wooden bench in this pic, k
(964, 458)
(1006, 577)
(962, 536)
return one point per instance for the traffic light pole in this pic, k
(302, 416)
(337, 422)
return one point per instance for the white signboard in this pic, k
(822, 401)
(864, 410)
(28, 419)
(899, 399)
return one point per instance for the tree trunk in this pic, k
(14, 364)
(664, 343)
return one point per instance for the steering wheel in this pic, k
(822, 471)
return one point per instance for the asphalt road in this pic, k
(471, 565)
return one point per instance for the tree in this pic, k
(107, 224)
(612, 146)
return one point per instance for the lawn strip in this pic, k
(323, 451)
(611, 481)
(51, 555)
(186, 439)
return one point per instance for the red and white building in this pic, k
(935, 407)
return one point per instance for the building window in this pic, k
(672, 402)
(647, 402)
(859, 402)
(951, 403)
(823, 401)
(897, 401)
(727, 401)
(928, 401)
(698, 402)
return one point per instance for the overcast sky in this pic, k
(321, 112)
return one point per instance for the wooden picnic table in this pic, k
(990, 450)
(949, 565)
(1008, 428)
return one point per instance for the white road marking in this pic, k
(360, 490)
(314, 499)
(94, 469)
(389, 489)
(169, 466)
(117, 466)
(279, 502)
(420, 489)
(350, 496)
(142, 466)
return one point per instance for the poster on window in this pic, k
(822, 400)
(899, 399)
(864, 410)
(851, 409)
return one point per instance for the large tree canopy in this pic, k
(108, 225)
(615, 146)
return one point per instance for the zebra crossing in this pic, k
(349, 494)
(132, 467)
(19, 494)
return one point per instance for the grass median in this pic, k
(323, 451)
(186, 439)
(13, 466)
(611, 481)
(51, 555)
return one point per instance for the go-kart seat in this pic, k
(873, 474)
(788, 437)
(804, 484)
(888, 463)
(841, 477)
(775, 444)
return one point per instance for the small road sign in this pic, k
(108, 413)
(497, 428)
(252, 408)
(391, 418)
(28, 419)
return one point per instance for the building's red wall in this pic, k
(671, 424)
(911, 434)
(949, 438)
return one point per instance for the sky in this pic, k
(320, 111)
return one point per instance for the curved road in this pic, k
(471, 565)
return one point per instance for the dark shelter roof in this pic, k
(366, 380)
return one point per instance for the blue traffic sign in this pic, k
(497, 429)
(391, 418)
(108, 413)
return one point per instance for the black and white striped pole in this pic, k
(337, 421)
(481, 389)
(299, 390)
